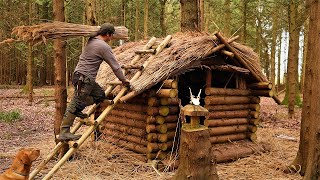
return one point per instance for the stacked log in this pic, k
(265, 86)
(126, 124)
(147, 123)
(233, 113)
(163, 113)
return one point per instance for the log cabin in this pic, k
(148, 119)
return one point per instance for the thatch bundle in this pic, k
(55, 30)
(184, 52)
(249, 56)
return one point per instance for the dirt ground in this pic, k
(100, 160)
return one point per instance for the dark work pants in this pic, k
(90, 93)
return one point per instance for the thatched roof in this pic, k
(183, 52)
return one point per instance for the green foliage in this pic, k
(42, 2)
(47, 92)
(298, 101)
(24, 89)
(10, 116)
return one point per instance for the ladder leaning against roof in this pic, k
(74, 145)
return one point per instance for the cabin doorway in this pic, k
(195, 80)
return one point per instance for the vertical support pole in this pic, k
(208, 78)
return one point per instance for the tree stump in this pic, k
(196, 162)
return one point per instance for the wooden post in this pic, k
(208, 78)
(195, 158)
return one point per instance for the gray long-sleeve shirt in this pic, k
(92, 56)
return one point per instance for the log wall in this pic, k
(234, 114)
(161, 124)
(147, 123)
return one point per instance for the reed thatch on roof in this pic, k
(184, 52)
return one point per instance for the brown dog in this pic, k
(21, 165)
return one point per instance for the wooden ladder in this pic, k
(74, 145)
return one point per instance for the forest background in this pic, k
(275, 29)
(262, 25)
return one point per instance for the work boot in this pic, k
(80, 115)
(66, 123)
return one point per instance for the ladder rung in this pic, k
(108, 101)
(140, 67)
(114, 82)
(145, 51)
(86, 122)
(73, 144)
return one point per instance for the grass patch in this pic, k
(47, 92)
(10, 116)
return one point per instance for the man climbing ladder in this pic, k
(87, 91)
(75, 145)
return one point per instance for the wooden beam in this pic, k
(227, 53)
(239, 58)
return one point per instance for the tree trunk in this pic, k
(275, 24)
(90, 15)
(244, 21)
(136, 25)
(313, 94)
(207, 16)
(195, 162)
(307, 159)
(227, 15)
(123, 12)
(44, 15)
(305, 47)
(30, 74)
(162, 17)
(189, 15)
(292, 57)
(60, 69)
(146, 18)
(279, 61)
(30, 62)
(258, 34)
(201, 14)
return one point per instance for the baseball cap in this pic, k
(106, 28)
